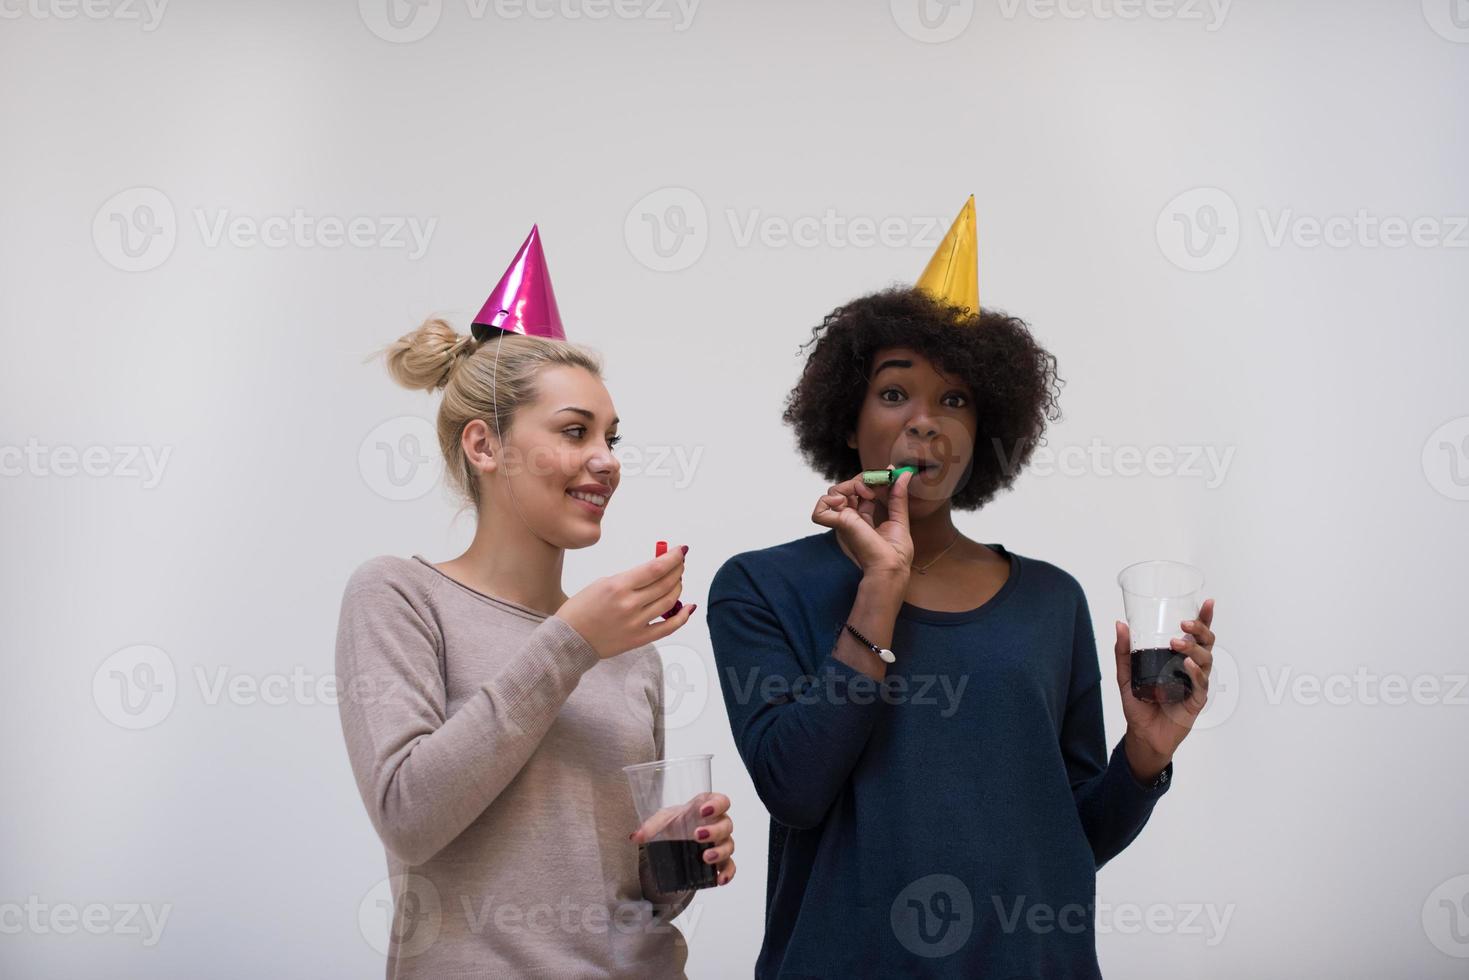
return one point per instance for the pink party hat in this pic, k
(523, 302)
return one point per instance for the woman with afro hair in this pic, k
(921, 713)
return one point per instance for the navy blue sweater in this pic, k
(947, 821)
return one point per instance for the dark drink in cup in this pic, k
(1158, 597)
(1158, 676)
(679, 865)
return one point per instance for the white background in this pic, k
(1327, 825)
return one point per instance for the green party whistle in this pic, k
(883, 478)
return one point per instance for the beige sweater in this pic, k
(488, 742)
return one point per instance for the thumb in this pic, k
(898, 500)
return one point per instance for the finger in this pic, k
(897, 502)
(726, 872)
(648, 593)
(664, 627)
(720, 853)
(658, 604)
(649, 573)
(1124, 657)
(1190, 647)
(716, 832)
(1200, 631)
(654, 825)
(1200, 694)
(1206, 612)
(713, 805)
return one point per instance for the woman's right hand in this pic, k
(615, 614)
(871, 523)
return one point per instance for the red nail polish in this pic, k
(703, 833)
(707, 811)
(684, 548)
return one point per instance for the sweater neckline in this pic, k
(942, 616)
(496, 600)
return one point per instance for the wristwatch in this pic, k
(884, 654)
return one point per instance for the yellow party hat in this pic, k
(952, 275)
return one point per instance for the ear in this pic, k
(478, 447)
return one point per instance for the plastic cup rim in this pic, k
(1166, 595)
(663, 763)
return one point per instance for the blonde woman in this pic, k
(488, 715)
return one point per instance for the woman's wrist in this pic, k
(885, 581)
(1146, 763)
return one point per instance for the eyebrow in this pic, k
(895, 363)
(582, 411)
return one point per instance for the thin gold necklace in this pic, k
(923, 569)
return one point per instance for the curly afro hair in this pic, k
(1014, 381)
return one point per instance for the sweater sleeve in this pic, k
(666, 904)
(799, 734)
(424, 775)
(1113, 806)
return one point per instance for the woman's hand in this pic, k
(871, 523)
(715, 831)
(1154, 731)
(615, 614)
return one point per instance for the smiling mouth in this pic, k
(591, 499)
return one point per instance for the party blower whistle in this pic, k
(659, 549)
(884, 478)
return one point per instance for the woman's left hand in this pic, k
(715, 832)
(1154, 731)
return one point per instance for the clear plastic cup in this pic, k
(668, 795)
(1157, 596)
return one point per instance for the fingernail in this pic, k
(693, 609)
(684, 548)
(703, 833)
(710, 856)
(1188, 624)
(708, 811)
